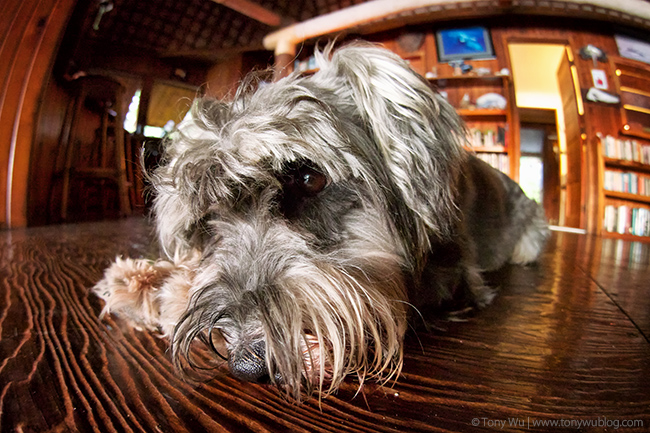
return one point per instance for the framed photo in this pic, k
(633, 48)
(464, 44)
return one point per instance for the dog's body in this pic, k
(304, 222)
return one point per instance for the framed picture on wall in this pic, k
(464, 44)
(633, 48)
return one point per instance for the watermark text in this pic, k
(528, 423)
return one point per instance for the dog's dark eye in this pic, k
(301, 179)
(311, 181)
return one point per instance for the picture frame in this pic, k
(466, 43)
(632, 48)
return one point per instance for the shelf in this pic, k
(631, 83)
(636, 108)
(640, 132)
(481, 112)
(628, 165)
(484, 149)
(309, 71)
(468, 77)
(627, 196)
(625, 236)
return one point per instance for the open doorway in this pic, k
(550, 171)
(540, 159)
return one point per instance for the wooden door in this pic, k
(573, 209)
(552, 187)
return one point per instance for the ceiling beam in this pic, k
(254, 11)
(283, 41)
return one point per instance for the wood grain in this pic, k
(567, 339)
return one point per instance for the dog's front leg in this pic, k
(150, 294)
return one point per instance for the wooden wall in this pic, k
(30, 31)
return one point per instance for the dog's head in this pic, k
(313, 201)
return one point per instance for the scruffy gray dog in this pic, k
(305, 222)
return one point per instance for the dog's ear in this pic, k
(417, 132)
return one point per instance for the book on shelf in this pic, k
(500, 161)
(486, 138)
(629, 182)
(305, 65)
(625, 149)
(625, 219)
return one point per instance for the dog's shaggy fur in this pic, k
(303, 223)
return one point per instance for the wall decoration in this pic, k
(410, 41)
(600, 79)
(594, 53)
(633, 48)
(464, 44)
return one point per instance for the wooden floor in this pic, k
(566, 342)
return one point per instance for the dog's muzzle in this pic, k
(249, 363)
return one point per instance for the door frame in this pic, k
(568, 42)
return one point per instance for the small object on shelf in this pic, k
(505, 72)
(491, 100)
(482, 72)
(457, 67)
(433, 73)
(465, 103)
(598, 95)
(600, 79)
(592, 52)
(460, 67)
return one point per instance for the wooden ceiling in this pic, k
(210, 30)
(201, 29)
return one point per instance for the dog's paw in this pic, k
(129, 289)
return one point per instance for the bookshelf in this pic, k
(624, 186)
(632, 81)
(489, 129)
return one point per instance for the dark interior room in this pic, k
(553, 94)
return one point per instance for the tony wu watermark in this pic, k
(528, 422)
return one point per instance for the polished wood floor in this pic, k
(566, 342)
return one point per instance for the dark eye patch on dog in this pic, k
(300, 180)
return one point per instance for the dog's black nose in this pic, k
(249, 363)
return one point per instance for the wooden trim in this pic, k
(468, 77)
(254, 11)
(625, 236)
(483, 149)
(635, 91)
(637, 109)
(629, 165)
(482, 112)
(627, 196)
(28, 56)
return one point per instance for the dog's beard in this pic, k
(320, 315)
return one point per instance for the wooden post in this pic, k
(145, 97)
(285, 53)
